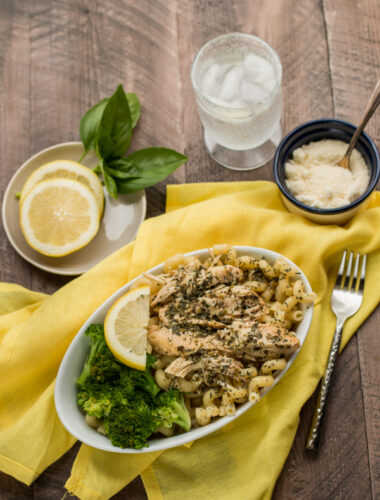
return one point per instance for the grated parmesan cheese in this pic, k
(314, 179)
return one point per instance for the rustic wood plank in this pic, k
(14, 118)
(369, 359)
(14, 150)
(353, 32)
(10, 489)
(56, 77)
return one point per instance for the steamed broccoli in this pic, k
(129, 401)
(170, 409)
(94, 398)
(100, 364)
(143, 379)
(130, 425)
(98, 398)
(104, 382)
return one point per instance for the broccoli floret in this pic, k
(170, 409)
(130, 425)
(133, 420)
(142, 379)
(100, 364)
(97, 399)
(94, 398)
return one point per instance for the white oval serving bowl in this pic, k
(72, 364)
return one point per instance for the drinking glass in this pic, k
(237, 82)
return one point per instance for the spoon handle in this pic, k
(370, 109)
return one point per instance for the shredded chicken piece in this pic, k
(181, 367)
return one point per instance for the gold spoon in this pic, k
(371, 106)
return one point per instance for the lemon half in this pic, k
(66, 169)
(59, 216)
(125, 327)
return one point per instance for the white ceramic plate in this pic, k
(72, 364)
(119, 225)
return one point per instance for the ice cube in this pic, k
(237, 103)
(260, 69)
(231, 83)
(253, 63)
(251, 92)
(217, 100)
(209, 85)
(269, 84)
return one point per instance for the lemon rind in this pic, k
(123, 354)
(99, 195)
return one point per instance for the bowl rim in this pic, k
(327, 211)
(65, 375)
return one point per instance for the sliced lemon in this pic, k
(66, 169)
(59, 216)
(125, 327)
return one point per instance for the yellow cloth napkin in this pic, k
(244, 458)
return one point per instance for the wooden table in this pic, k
(57, 58)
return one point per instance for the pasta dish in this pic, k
(221, 329)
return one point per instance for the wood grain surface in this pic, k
(58, 57)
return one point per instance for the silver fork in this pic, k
(346, 300)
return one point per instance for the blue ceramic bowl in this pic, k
(316, 130)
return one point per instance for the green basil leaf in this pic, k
(120, 164)
(115, 129)
(90, 122)
(134, 107)
(91, 119)
(109, 182)
(120, 174)
(149, 166)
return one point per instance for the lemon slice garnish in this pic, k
(125, 327)
(59, 216)
(66, 169)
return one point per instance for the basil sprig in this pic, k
(107, 129)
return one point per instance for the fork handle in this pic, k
(319, 411)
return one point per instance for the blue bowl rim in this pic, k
(327, 211)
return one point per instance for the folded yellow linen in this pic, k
(244, 458)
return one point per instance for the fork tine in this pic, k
(355, 273)
(339, 277)
(348, 272)
(362, 273)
